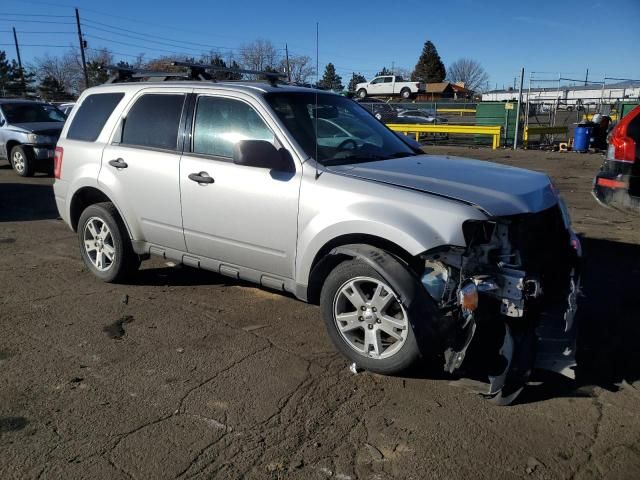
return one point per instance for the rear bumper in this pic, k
(611, 186)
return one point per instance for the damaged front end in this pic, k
(507, 301)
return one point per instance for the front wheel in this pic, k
(23, 161)
(366, 320)
(362, 93)
(104, 243)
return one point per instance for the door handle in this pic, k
(118, 163)
(201, 177)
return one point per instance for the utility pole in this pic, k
(286, 49)
(24, 85)
(586, 78)
(515, 136)
(84, 61)
(393, 66)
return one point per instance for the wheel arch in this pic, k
(10, 144)
(335, 251)
(83, 198)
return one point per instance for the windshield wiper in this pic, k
(354, 159)
(402, 154)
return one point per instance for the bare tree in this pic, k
(63, 69)
(469, 72)
(301, 68)
(259, 55)
(403, 72)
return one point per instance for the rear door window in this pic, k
(153, 121)
(220, 123)
(92, 115)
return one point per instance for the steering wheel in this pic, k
(344, 143)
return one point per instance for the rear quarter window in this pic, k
(92, 115)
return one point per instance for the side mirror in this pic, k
(261, 154)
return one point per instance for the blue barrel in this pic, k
(581, 138)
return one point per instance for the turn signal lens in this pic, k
(468, 297)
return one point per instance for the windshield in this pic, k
(31, 113)
(347, 133)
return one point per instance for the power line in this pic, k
(163, 37)
(141, 38)
(138, 46)
(33, 32)
(35, 45)
(34, 21)
(34, 15)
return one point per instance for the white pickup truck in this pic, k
(389, 85)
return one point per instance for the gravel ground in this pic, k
(187, 374)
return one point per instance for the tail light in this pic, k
(621, 146)
(57, 162)
(418, 86)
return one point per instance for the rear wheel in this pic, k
(104, 243)
(366, 320)
(405, 93)
(22, 161)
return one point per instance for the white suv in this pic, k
(306, 192)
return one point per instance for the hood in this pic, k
(499, 190)
(51, 129)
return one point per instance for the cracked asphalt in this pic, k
(187, 374)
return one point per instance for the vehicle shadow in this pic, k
(20, 202)
(609, 328)
(608, 351)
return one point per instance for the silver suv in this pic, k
(28, 134)
(409, 255)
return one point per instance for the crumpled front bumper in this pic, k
(43, 152)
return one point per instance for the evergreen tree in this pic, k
(219, 62)
(20, 81)
(429, 68)
(5, 70)
(385, 71)
(51, 89)
(331, 80)
(97, 73)
(356, 78)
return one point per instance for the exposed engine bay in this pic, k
(510, 295)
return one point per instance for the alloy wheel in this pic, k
(98, 244)
(370, 318)
(18, 161)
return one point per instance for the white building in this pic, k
(571, 95)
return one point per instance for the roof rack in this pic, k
(194, 71)
(199, 68)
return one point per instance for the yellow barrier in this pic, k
(461, 111)
(492, 130)
(541, 130)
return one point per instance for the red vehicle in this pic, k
(618, 182)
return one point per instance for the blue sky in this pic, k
(566, 36)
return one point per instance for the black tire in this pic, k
(405, 357)
(405, 93)
(362, 93)
(26, 166)
(125, 260)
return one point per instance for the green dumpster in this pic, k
(497, 113)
